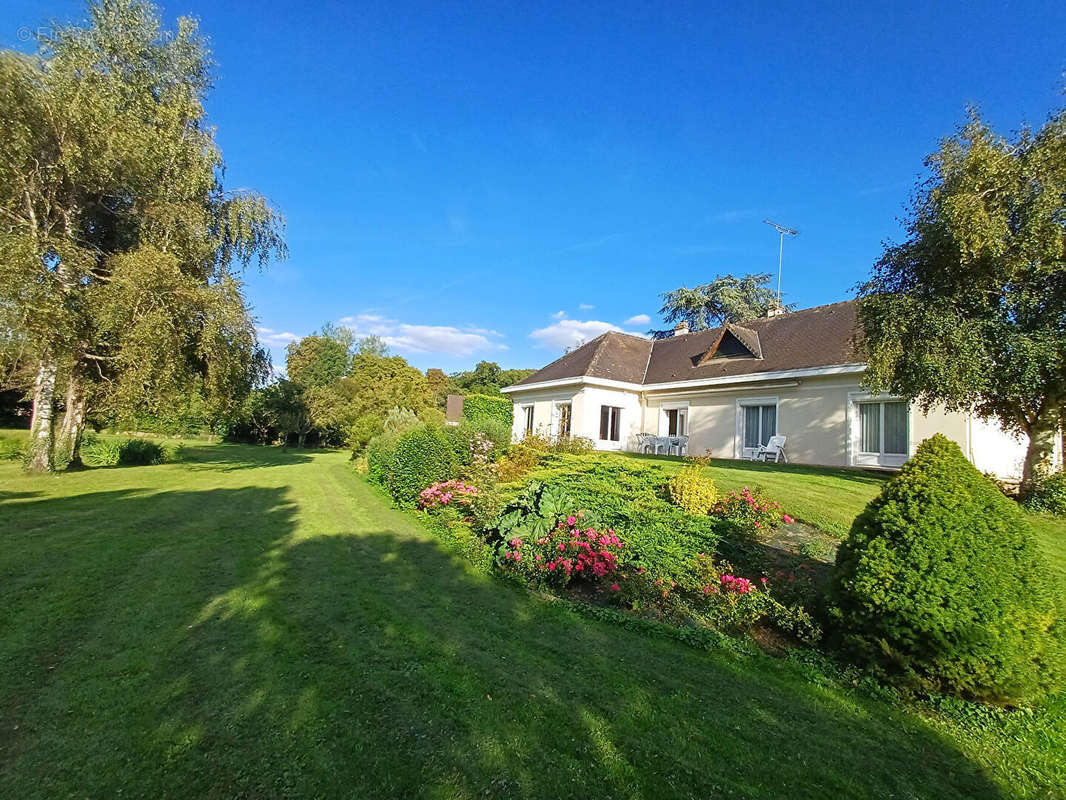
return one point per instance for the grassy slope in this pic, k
(259, 623)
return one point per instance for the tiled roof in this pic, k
(813, 337)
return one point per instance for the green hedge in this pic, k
(477, 407)
(406, 463)
(940, 585)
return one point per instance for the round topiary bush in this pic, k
(940, 586)
(422, 456)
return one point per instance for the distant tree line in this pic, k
(338, 391)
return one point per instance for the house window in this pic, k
(564, 410)
(528, 411)
(760, 423)
(676, 421)
(883, 428)
(610, 423)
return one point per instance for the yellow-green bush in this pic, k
(520, 459)
(692, 491)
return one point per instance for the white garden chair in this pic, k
(775, 447)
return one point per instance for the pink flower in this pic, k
(571, 520)
(787, 519)
(615, 587)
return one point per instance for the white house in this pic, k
(730, 389)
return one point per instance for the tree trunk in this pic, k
(1041, 450)
(41, 453)
(68, 441)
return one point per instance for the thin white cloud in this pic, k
(410, 338)
(572, 332)
(273, 338)
(585, 306)
(639, 319)
(558, 315)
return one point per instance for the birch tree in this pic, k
(120, 249)
(970, 310)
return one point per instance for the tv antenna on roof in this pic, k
(783, 231)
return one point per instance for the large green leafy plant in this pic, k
(533, 513)
(940, 585)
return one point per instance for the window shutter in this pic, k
(616, 418)
(605, 421)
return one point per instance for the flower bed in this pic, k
(446, 493)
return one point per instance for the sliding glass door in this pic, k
(760, 423)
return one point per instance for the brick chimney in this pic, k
(680, 329)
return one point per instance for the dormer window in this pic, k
(733, 342)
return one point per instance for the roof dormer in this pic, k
(733, 342)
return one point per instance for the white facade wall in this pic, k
(819, 415)
(631, 421)
(545, 413)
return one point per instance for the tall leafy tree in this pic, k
(319, 359)
(970, 310)
(372, 346)
(120, 249)
(487, 377)
(725, 299)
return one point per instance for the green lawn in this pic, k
(831, 498)
(259, 623)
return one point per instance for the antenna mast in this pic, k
(783, 232)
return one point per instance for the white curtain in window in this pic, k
(895, 428)
(870, 424)
(751, 426)
(769, 423)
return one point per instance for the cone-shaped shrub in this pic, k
(940, 585)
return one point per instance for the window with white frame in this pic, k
(564, 414)
(528, 412)
(883, 429)
(760, 423)
(676, 421)
(610, 423)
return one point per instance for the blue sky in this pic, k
(495, 180)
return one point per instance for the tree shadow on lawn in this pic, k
(225, 655)
(5, 496)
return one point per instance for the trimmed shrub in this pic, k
(692, 491)
(422, 456)
(1047, 493)
(379, 455)
(940, 585)
(477, 407)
